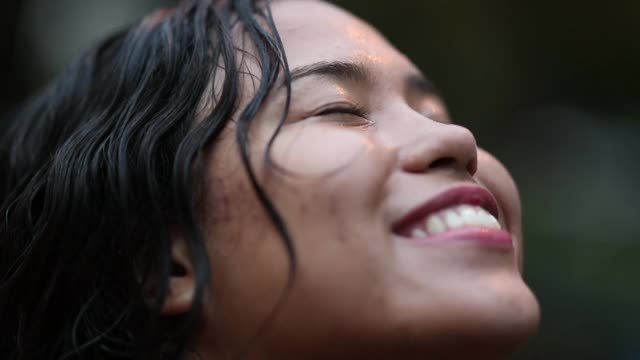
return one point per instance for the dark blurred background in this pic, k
(552, 87)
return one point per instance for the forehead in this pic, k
(314, 31)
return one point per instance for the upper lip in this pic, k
(470, 194)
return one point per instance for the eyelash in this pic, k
(363, 113)
(352, 109)
(348, 109)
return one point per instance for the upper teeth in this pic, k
(454, 217)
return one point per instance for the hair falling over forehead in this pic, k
(101, 167)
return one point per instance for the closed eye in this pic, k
(434, 109)
(346, 114)
(344, 108)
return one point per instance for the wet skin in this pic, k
(366, 141)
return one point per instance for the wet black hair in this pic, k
(105, 164)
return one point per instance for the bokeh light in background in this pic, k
(550, 87)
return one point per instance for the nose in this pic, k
(440, 146)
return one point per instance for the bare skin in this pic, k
(360, 290)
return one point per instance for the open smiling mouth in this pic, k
(467, 212)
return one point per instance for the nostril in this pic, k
(443, 162)
(472, 167)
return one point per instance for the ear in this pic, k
(181, 279)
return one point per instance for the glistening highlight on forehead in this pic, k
(361, 74)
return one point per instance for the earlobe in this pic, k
(181, 287)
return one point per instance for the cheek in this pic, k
(329, 167)
(248, 262)
(493, 174)
(315, 150)
(326, 185)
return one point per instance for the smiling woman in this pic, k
(241, 179)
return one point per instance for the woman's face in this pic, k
(371, 178)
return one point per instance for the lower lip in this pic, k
(476, 234)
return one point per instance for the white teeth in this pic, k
(455, 217)
(469, 214)
(452, 219)
(418, 233)
(435, 225)
(487, 219)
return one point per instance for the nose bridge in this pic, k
(433, 144)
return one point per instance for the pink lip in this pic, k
(484, 235)
(463, 194)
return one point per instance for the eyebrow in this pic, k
(361, 74)
(338, 70)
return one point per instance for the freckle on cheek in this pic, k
(225, 213)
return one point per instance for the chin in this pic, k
(488, 319)
(493, 324)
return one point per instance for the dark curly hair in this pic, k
(101, 167)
